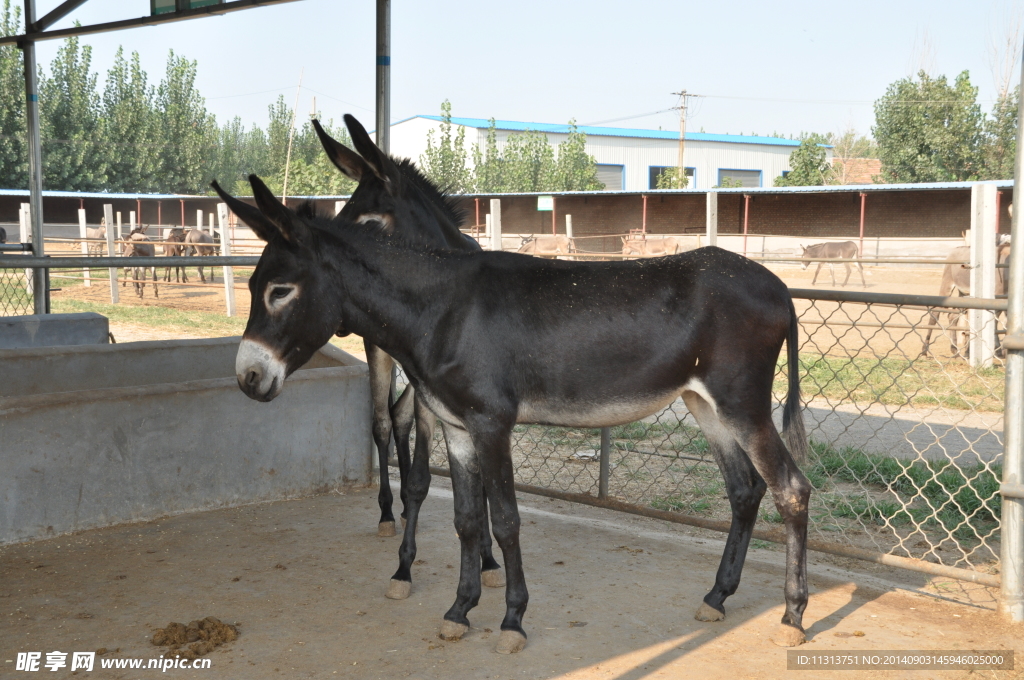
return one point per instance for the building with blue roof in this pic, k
(630, 159)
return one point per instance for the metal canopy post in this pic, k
(40, 292)
(384, 75)
(1012, 529)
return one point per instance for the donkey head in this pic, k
(806, 253)
(291, 315)
(389, 193)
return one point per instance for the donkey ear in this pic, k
(260, 225)
(378, 161)
(284, 219)
(344, 158)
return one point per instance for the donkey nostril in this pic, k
(253, 377)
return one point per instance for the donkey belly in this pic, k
(584, 412)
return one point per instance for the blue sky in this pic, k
(785, 66)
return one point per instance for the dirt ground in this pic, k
(612, 596)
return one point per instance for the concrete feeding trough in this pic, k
(97, 435)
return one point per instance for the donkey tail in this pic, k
(793, 431)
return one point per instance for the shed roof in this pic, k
(96, 194)
(518, 126)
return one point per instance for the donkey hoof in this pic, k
(708, 613)
(493, 578)
(452, 631)
(403, 522)
(398, 590)
(510, 642)
(788, 636)
(386, 529)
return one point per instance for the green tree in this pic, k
(809, 164)
(1001, 137)
(528, 162)
(316, 176)
(575, 169)
(13, 154)
(71, 127)
(929, 131)
(132, 146)
(186, 129)
(487, 163)
(668, 178)
(445, 161)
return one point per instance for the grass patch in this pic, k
(963, 500)
(192, 322)
(894, 381)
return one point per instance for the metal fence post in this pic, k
(496, 224)
(983, 273)
(108, 215)
(225, 250)
(606, 454)
(1012, 525)
(83, 232)
(712, 218)
(24, 223)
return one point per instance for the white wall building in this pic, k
(629, 160)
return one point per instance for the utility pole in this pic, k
(683, 103)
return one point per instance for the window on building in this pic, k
(612, 176)
(656, 171)
(739, 178)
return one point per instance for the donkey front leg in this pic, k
(491, 575)
(499, 483)
(403, 415)
(380, 389)
(467, 488)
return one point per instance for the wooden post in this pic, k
(85, 245)
(131, 222)
(554, 211)
(984, 227)
(643, 220)
(338, 205)
(108, 215)
(25, 225)
(860, 248)
(120, 234)
(199, 220)
(496, 224)
(568, 226)
(225, 250)
(487, 227)
(712, 218)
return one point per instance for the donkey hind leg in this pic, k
(416, 486)
(490, 575)
(745, 488)
(791, 492)
(468, 491)
(402, 417)
(156, 292)
(848, 270)
(860, 267)
(380, 389)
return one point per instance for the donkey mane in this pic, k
(439, 196)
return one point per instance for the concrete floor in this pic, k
(612, 596)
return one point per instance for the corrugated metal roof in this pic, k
(517, 126)
(86, 194)
(834, 188)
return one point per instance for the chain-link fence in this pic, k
(906, 447)
(15, 292)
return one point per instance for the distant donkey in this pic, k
(137, 245)
(198, 242)
(96, 248)
(558, 244)
(847, 250)
(956, 281)
(174, 248)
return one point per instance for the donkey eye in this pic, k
(279, 292)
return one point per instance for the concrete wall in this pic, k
(47, 330)
(122, 433)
